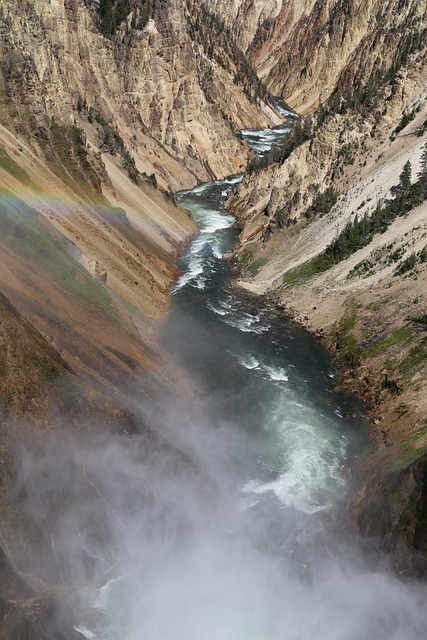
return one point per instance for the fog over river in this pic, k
(235, 532)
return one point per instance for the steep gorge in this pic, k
(353, 43)
(96, 133)
(137, 94)
(92, 126)
(99, 125)
(368, 306)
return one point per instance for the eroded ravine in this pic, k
(249, 542)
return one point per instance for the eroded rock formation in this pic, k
(346, 164)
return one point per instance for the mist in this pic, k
(163, 539)
(225, 521)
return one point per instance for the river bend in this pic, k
(247, 542)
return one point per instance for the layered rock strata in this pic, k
(352, 42)
(370, 306)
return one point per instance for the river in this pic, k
(244, 538)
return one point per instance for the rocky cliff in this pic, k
(103, 115)
(344, 165)
(145, 94)
(87, 276)
(353, 42)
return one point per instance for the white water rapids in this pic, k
(246, 545)
(228, 524)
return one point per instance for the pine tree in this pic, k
(422, 175)
(404, 198)
(405, 177)
(106, 16)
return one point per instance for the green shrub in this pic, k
(406, 265)
(322, 203)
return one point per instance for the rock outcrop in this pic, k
(353, 42)
(346, 164)
(99, 125)
(145, 94)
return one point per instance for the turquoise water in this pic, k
(234, 530)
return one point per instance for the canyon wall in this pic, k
(140, 94)
(102, 118)
(346, 163)
(304, 50)
(98, 128)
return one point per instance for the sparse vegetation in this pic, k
(403, 337)
(395, 255)
(9, 164)
(246, 258)
(322, 203)
(219, 44)
(69, 157)
(130, 167)
(110, 139)
(422, 129)
(406, 119)
(256, 265)
(411, 261)
(414, 361)
(283, 215)
(360, 232)
(421, 319)
(410, 449)
(408, 457)
(406, 265)
(345, 341)
(112, 13)
(422, 175)
(359, 95)
(377, 305)
(306, 270)
(49, 368)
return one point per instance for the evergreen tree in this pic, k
(422, 176)
(405, 178)
(404, 187)
(106, 16)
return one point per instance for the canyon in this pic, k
(367, 306)
(100, 126)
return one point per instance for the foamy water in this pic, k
(209, 246)
(236, 543)
(262, 140)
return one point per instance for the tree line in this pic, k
(111, 14)
(218, 42)
(359, 232)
